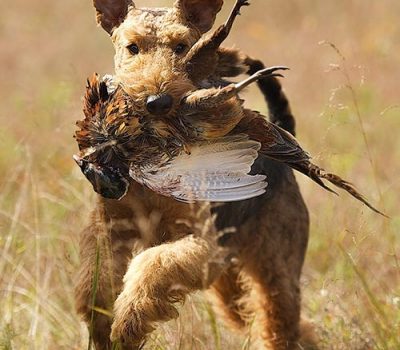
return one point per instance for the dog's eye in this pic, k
(133, 49)
(180, 48)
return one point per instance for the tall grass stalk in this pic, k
(95, 285)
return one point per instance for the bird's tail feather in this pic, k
(317, 174)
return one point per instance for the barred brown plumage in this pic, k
(112, 132)
(112, 136)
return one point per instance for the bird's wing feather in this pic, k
(215, 171)
(186, 193)
(284, 146)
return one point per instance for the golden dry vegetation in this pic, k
(347, 107)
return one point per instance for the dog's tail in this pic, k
(278, 104)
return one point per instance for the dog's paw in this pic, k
(129, 326)
(136, 314)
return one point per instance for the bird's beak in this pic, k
(78, 160)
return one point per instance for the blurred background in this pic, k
(344, 88)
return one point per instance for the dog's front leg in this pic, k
(158, 278)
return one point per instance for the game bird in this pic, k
(203, 153)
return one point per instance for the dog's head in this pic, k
(151, 45)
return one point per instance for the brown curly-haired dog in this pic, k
(174, 245)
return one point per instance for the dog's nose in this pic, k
(159, 104)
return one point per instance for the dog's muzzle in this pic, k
(159, 104)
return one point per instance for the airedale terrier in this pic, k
(142, 254)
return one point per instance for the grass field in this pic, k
(347, 106)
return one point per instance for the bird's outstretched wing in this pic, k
(214, 171)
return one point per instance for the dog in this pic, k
(142, 254)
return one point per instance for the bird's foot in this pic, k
(235, 12)
(239, 4)
(263, 73)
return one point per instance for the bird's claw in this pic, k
(263, 73)
(239, 4)
(270, 72)
(276, 75)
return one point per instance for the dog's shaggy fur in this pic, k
(174, 245)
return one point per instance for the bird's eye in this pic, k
(180, 48)
(133, 49)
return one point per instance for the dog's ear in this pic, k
(200, 13)
(111, 13)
